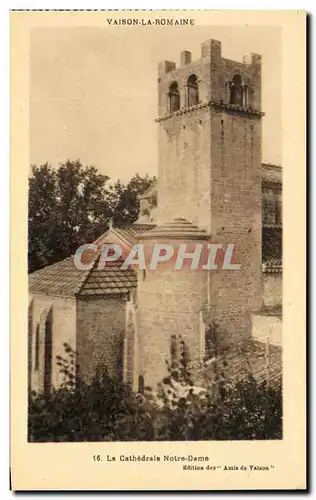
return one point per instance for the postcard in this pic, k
(158, 324)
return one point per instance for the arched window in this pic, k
(193, 91)
(236, 91)
(30, 341)
(37, 348)
(174, 97)
(48, 353)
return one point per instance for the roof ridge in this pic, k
(83, 280)
(269, 164)
(118, 230)
(54, 264)
(87, 273)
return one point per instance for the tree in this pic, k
(106, 409)
(124, 199)
(72, 205)
(67, 207)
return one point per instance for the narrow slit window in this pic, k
(278, 213)
(37, 349)
(141, 384)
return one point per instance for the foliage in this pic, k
(72, 205)
(105, 409)
(101, 410)
(152, 200)
(123, 199)
(179, 400)
(67, 208)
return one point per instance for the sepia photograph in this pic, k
(154, 243)
(171, 328)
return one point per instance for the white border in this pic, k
(4, 184)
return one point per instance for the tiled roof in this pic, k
(260, 366)
(64, 279)
(257, 360)
(271, 174)
(276, 311)
(61, 279)
(128, 234)
(109, 280)
(176, 228)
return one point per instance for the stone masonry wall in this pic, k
(100, 335)
(169, 303)
(184, 172)
(236, 219)
(210, 173)
(63, 330)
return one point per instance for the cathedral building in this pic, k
(212, 187)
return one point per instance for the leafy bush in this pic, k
(105, 409)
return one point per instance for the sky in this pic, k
(93, 91)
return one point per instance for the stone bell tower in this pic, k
(209, 174)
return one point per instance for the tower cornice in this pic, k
(229, 108)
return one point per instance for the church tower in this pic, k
(209, 174)
(209, 135)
